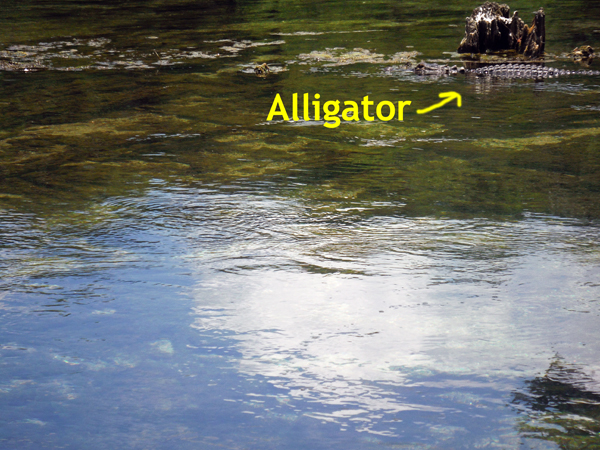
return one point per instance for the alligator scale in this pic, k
(530, 71)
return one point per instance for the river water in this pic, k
(177, 271)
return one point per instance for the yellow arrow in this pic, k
(448, 97)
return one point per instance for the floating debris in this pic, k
(584, 54)
(262, 69)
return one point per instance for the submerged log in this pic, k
(490, 28)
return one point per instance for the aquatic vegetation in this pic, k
(339, 56)
(177, 271)
(560, 408)
(236, 47)
(544, 139)
(96, 54)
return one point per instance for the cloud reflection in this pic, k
(399, 304)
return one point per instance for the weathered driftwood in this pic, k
(490, 28)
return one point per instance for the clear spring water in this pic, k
(177, 272)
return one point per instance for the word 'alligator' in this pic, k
(531, 71)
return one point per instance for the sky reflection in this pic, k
(397, 303)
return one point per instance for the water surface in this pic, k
(177, 271)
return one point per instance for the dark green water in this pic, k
(178, 272)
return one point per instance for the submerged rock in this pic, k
(491, 29)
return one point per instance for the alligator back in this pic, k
(526, 71)
(530, 71)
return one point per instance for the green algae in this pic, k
(149, 102)
(538, 140)
(373, 160)
(58, 155)
(96, 54)
(196, 114)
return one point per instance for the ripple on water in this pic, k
(345, 313)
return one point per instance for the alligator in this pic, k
(531, 71)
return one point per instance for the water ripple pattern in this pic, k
(342, 308)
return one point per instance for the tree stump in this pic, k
(490, 28)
